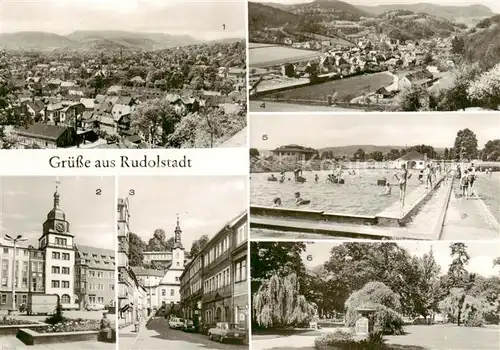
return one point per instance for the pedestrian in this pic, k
(106, 326)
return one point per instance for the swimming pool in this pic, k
(359, 195)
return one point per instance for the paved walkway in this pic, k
(468, 219)
(12, 343)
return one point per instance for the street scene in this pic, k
(182, 273)
(58, 263)
(364, 56)
(387, 296)
(427, 176)
(128, 74)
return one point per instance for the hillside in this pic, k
(341, 10)
(94, 41)
(34, 41)
(448, 12)
(262, 16)
(406, 25)
(482, 44)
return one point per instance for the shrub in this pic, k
(348, 341)
(71, 325)
(12, 321)
(378, 296)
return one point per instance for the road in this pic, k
(157, 335)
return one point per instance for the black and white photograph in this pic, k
(386, 296)
(124, 74)
(57, 263)
(182, 262)
(373, 55)
(432, 176)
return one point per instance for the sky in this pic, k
(201, 19)
(481, 254)
(26, 201)
(393, 129)
(205, 204)
(494, 5)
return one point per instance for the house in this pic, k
(107, 123)
(137, 81)
(296, 152)
(422, 78)
(35, 109)
(46, 136)
(238, 75)
(89, 103)
(412, 160)
(114, 90)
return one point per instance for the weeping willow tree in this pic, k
(278, 303)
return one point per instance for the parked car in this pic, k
(226, 331)
(189, 326)
(94, 307)
(176, 323)
(205, 327)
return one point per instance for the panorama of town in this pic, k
(337, 56)
(120, 88)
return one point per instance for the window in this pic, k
(100, 286)
(100, 300)
(65, 256)
(65, 284)
(56, 255)
(111, 287)
(91, 273)
(5, 251)
(61, 241)
(55, 284)
(65, 270)
(5, 272)
(24, 275)
(172, 292)
(241, 271)
(16, 273)
(100, 274)
(4, 298)
(56, 269)
(24, 299)
(163, 292)
(241, 235)
(65, 299)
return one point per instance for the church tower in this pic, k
(178, 249)
(57, 244)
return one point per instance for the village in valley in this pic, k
(334, 56)
(121, 89)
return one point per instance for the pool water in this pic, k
(360, 194)
(488, 189)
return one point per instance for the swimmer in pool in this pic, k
(277, 202)
(316, 177)
(387, 190)
(299, 200)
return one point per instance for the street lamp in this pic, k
(14, 241)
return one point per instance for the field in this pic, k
(261, 55)
(347, 88)
(255, 106)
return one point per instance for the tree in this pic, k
(446, 154)
(254, 152)
(136, 247)
(159, 243)
(485, 90)
(457, 45)
(458, 275)
(156, 119)
(198, 245)
(491, 151)
(457, 96)
(278, 303)
(466, 144)
(359, 155)
(386, 303)
(425, 294)
(414, 99)
(393, 154)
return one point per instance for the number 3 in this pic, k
(131, 192)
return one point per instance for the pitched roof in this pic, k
(42, 131)
(412, 155)
(99, 257)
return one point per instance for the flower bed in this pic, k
(70, 325)
(13, 321)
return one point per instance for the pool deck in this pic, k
(397, 214)
(353, 231)
(457, 219)
(468, 219)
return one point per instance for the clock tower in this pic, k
(57, 243)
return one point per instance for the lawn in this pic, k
(348, 87)
(268, 56)
(449, 337)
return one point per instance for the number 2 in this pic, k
(98, 192)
